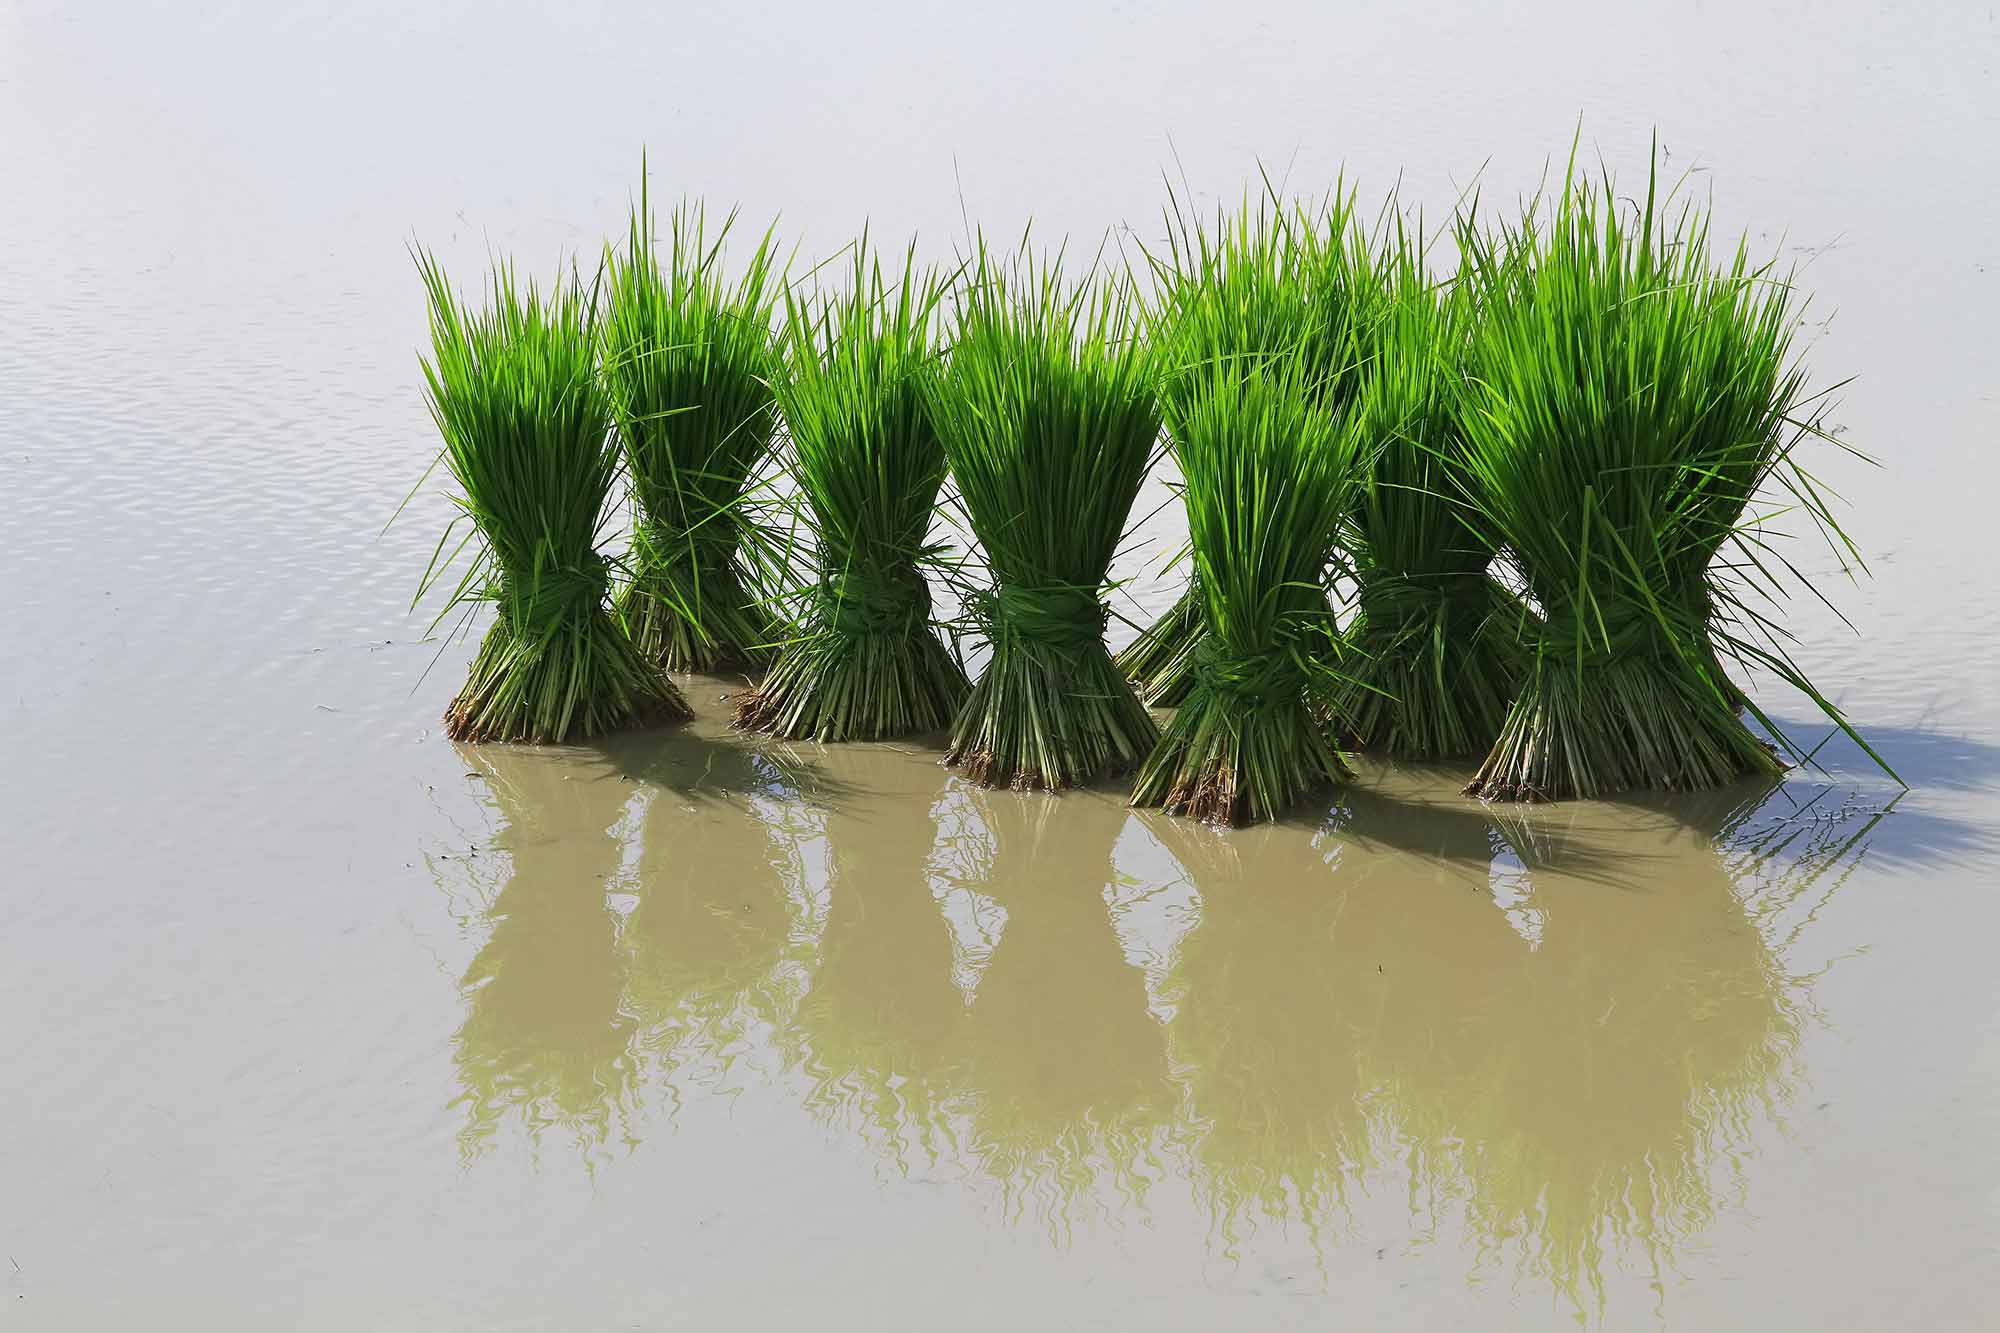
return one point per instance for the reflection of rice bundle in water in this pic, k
(545, 1035)
(875, 1032)
(719, 885)
(527, 437)
(1294, 985)
(1065, 1070)
(1587, 1101)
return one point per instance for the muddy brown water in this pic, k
(309, 1019)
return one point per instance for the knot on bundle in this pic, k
(1251, 680)
(540, 600)
(862, 600)
(1052, 615)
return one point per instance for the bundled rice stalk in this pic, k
(1047, 416)
(1631, 397)
(1270, 280)
(1270, 475)
(1437, 641)
(687, 367)
(856, 391)
(1160, 661)
(514, 391)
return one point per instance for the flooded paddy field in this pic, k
(311, 1019)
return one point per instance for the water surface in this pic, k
(313, 1020)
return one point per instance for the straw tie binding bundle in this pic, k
(889, 601)
(1054, 616)
(1251, 680)
(551, 596)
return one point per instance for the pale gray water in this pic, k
(308, 1020)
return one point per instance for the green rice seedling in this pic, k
(1269, 280)
(1270, 475)
(687, 364)
(1437, 640)
(527, 437)
(1048, 417)
(1631, 398)
(856, 392)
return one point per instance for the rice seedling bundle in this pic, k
(1269, 475)
(1270, 280)
(1631, 397)
(1436, 640)
(856, 393)
(1047, 415)
(527, 437)
(687, 366)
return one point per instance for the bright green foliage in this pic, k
(1270, 475)
(855, 392)
(1630, 398)
(514, 390)
(1047, 415)
(687, 366)
(1438, 643)
(1268, 281)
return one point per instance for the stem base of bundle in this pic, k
(828, 686)
(1046, 719)
(1639, 723)
(1222, 764)
(582, 679)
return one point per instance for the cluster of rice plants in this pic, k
(856, 390)
(1629, 398)
(687, 367)
(1598, 401)
(1437, 641)
(1269, 476)
(1048, 416)
(527, 435)
(1272, 280)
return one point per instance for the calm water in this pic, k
(310, 1020)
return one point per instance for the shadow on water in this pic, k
(1925, 757)
(1549, 1032)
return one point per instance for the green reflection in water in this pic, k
(1549, 1036)
(875, 1035)
(712, 945)
(1066, 1084)
(546, 1037)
